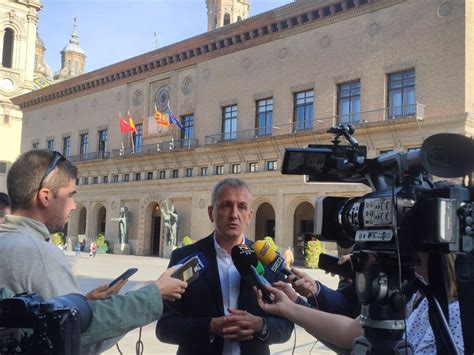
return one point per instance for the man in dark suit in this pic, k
(218, 313)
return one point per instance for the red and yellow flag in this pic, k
(131, 123)
(124, 126)
(161, 119)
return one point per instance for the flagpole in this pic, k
(133, 144)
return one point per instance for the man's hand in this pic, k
(104, 291)
(304, 285)
(171, 288)
(238, 326)
(243, 327)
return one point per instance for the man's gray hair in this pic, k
(233, 182)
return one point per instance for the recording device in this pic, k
(331, 264)
(407, 212)
(267, 254)
(35, 326)
(246, 262)
(188, 271)
(126, 275)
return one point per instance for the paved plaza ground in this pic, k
(93, 272)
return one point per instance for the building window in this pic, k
(115, 178)
(226, 19)
(7, 57)
(303, 115)
(187, 133)
(85, 181)
(235, 168)
(6, 119)
(68, 68)
(264, 117)
(229, 122)
(126, 177)
(35, 145)
(138, 176)
(84, 144)
(162, 174)
(95, 180)
(103, 141)
(76, 68)
(175, 174)
(204, 171)
(105, 179)
(253, 167)
(3, 167)
(219, 170)
(67, 146)
(272, 165)
(77, 182)
(189, 172)
(348, 102)
(50, 144)
(386, 151)
(138, 138)
(149, 175)
(401, 94)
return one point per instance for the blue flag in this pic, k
(174, 119)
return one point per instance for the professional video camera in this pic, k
(406, 212)
(31, 325)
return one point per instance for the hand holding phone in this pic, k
(189, 271)
(124, 276)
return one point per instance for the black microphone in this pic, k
(246, 261)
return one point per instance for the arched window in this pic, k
(76, 68)
(239, 18)
(226, 19)
(7, 57)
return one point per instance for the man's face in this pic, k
(61, 207)
(232, 212)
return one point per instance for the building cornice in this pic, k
(278, 23)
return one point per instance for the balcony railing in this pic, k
(320, 124)
(89, 156)
(155, 148)
(416, 111)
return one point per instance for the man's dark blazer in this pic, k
(186, 322)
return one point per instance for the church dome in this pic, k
(73, 45)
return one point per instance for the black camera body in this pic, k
(31, 325)
(405, 200)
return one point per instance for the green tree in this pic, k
(58, 238)
(187, 240)
(311, 253)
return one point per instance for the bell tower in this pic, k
(18, 25)
(225, 12)
(73, 58)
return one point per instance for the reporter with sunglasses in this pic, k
(41, 185)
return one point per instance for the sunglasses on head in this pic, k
(58, 157)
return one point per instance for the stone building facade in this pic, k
(398, 70)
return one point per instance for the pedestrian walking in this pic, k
(93, 249)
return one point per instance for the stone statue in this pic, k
(170, 217)
(124, 221)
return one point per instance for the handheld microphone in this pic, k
(268, 256)
(246, 263)
(202, 261)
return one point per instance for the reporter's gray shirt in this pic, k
(28, 263)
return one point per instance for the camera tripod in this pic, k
(383, 310)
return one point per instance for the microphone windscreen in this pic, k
(243, 258)
(265, 251)
(202, 261)
(260, 269)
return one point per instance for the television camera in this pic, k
(407, 212)
(31, 325)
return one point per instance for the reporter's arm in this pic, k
(119, 314)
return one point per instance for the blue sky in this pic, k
(114, 30)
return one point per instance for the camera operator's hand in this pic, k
(287, 289)
(303, 284)
(170, 288)
(104, 291)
